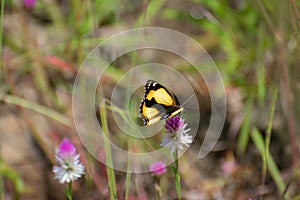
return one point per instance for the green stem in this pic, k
(108, 155)
(69, 191)
(127, 185)
(128, 176)
(1, 180)
(177, 175)
(266, 154)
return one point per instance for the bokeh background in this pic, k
(255, 45)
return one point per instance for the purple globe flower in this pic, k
(177, 135)
(174, 123)
(66, 148)
(69, 167)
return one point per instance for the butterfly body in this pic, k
(158, 103)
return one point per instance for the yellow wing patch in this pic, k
(151, 114)
(161, 96)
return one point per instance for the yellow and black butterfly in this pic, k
(158, 103)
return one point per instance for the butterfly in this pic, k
(158, 103)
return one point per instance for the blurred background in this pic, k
(255, 45)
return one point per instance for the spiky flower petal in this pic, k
(177, 135)
(69, 166)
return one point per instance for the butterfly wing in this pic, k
(158, 103)
(152, 114)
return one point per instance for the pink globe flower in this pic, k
(29, 3)
(158, 168)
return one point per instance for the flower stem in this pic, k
(157, 188)
(177, 175)
(69, 191)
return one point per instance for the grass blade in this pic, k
(268, 138)
(272, 167)
(108, 156)
(35, 107)
(128, 179)
(245, 130)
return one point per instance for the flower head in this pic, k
(66, 148)
(177, 134)
(229, 164)
(158, 168)
(174, 123)
(29, 3)
(70, 168)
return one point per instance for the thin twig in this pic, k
(1, 37)
(288, 107)
(268, 20)
(292, 18)
(296, 12)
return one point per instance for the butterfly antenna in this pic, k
(188, 99)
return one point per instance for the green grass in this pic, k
(108, 155)
(272, 167)
(14, 177)
(10, 99)
(244, 135)
(250, 41)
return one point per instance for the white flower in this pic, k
(70, 168)
(177, 134)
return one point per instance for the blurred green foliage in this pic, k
(9, 174)
(245, 38)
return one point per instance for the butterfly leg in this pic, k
(165, 116)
